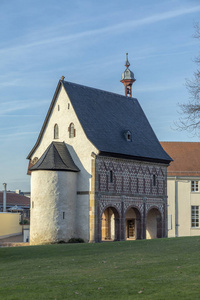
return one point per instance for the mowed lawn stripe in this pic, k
(146, 269)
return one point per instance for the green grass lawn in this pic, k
(146, 269)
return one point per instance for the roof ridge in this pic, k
(97, 89)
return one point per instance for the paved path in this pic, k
(13, 241)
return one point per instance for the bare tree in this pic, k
(190, 111)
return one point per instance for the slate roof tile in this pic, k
(56, 157)
(106, 117)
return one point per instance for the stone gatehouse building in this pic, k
(98, 172)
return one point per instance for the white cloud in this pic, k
(120, 27)
(18, 135)
(14, 106)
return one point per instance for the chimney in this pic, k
(4, 197)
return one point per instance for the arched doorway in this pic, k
(132, 224)
(154, 224)
(110, 225)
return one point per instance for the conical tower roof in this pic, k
(56, 157)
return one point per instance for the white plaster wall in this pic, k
(184, 208)
(80, 149)
(82, 217)
(52, 193)
(186, 199)
(171, 205)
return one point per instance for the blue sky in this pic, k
(86, 41)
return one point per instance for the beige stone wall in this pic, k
(9, 224)
(180, 200)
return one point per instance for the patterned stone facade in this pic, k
(122, 184)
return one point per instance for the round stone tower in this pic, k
(53, 196)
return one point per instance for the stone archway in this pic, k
(132, 224)
(154, 224)
(110, 227)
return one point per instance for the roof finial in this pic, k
(127, 78)
(127, 63)
(63, 77)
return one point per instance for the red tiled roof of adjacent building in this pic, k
(186, 158)
(13, 199)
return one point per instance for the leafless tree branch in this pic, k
(190, 111)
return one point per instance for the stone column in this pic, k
(122, 238)
(144, 219)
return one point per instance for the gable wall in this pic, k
(80, 149)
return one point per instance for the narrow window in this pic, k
(111, 176)
(194, 186)
(63, 215)
(68, 106)
(195, 216)
(58, 107)
(56, 131)
(137, 185)
(32, 204)
(99, 182)
(72, 130)
(154, 180)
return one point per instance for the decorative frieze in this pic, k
(130, 177)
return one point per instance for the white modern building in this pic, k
(183, 188)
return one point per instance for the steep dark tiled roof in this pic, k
(56, 157)
(15, 199)
(106, 117)
(186, 158)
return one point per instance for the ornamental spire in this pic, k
(128, 78)
(127, 63)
